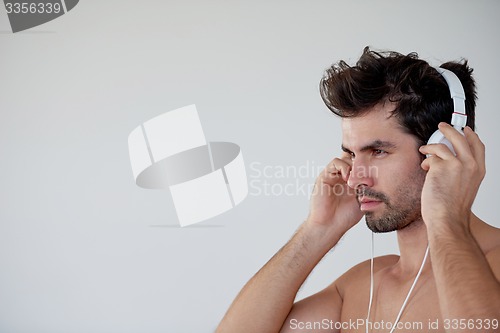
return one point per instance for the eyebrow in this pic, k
(377, 144)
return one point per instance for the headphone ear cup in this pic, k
(438, 137)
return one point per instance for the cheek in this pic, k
(410, 183)
(389, 177)
(385, 174)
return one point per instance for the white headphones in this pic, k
(459, 117)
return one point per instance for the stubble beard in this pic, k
(394, 218)
(400, 212)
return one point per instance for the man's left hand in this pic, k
(452, 182)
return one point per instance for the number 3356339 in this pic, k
(32, 8)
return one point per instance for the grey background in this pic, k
(83, 249)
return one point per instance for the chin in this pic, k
(379, 229)
(384, 223)
(389, 223)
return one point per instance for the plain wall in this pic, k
(83, 249)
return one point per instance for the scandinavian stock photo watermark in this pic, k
(296, 180)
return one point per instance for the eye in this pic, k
(379, 152)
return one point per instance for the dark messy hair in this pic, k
(421, 95)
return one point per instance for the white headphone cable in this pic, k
(407, 296)
(371, 283)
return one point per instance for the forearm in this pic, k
(466, 286)
(265, 301)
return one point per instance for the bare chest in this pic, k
(421, 313)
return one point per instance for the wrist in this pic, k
(323, 235)
(455, 227)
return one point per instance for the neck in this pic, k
(412, 241)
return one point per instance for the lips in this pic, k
(363, 199)
(368, 203)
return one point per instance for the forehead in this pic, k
(376, 124)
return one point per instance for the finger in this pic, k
(457, 140)
(430, 161)
(344, 167)
(338, 166)
(476, 146)
(437, 149)
(346, 157)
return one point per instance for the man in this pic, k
(390, 105)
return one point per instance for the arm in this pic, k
(322, 307)
(267, 299)
(466, 284)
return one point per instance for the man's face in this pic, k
(386, 170)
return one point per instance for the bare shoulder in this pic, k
(493, 258)
(359, 274)
(488, 239)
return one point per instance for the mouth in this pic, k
(366, 204)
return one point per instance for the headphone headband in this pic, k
(459, 117)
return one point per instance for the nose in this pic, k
(361, 174)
